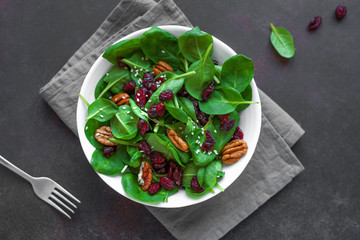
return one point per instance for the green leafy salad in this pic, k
(166, 114)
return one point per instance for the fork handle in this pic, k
(15, 169)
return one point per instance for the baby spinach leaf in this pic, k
(201, 175)
(195, 195)
(200, 157)
(110, 166)
(247, 96)
(188, 107)
(124, 123)
(218, 71)
(139, 64)
(177, 113)
(184, 64)
(190, 170)
(133, 189)
(194, 43)
(282, 41)
(102, 110)
(100, 86)
(210, 176)
(159, 45)
(205, 71)
(90, 127)
(237, 72)
(124, 48)
(135, 157)
(138, 112)
(223, 99)
(116, 76)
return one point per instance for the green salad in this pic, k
(166, 114)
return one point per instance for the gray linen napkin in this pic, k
(270, 169)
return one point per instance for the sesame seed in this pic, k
(145, 109)
(128, 112)
(152, 147)
(216, 152)
(138, 100)
(194, 127)
(86, 128)
(138, 94)
(102, 116)
(209, 153)
(192, 133)
(131, 118)
(198, 137)
(146, 95)
(180, 128)
(101, 109)
(124, 108)
(186, 136)
(215, 131)
(132, 70)
(123, 97)
(110, 97)
(149, 100)
(162, 51)
(134, 108)
(107, 74)
(135, 67)
(141, 69)
(142, 58)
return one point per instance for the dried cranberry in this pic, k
(143, 126)
(206, 93)
(227, 125)
(195, 186)
(140, 97)
(178, 176)
(166, 95)
(215, 62)
(223, 117)
(167, 183)
(108, 150)
(144, 147)
(238, 134)
(202, 118)
(159, 81)
(129, 87)
(150, 92)
(315, 23)
(121, 64)
(183, 92)
(148, 76)
(154, 188)
(172, 168)
(160, 171)
(156, 111)
(156, 157)
(340, 12)
(159, 165)
(209, 143)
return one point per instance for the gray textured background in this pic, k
(318, 87)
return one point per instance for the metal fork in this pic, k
(45, 188)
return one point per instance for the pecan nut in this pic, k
(145, 176)
(103, 134)
(177, 141)
(162, 67)
(121, 99)
(233, 151)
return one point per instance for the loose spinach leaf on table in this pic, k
(247, 96)
(176, 112)
(124, 48)
(116, 79)
(102, 110)
(111, 166)
(90, 127)
(124, 123)
(282, 41)
(194, 43)
(237, 72)
(159, 45)
(223, 100)
(205, 71)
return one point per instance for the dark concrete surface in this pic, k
(319, 87)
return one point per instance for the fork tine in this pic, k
(61, 203)
(57, 207)
(64, 191)
(64, 198)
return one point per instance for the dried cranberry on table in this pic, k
(121, 64)
(209, 143)
(108, 150)
(143, 126)
(166, 95)
(129, 87)
(167, 183)
(154, 188)
(206, 93)
(315, 23)
(227, 125)
(195, 186)
(140, 97)
(238, 134)
(340, 12)
(156, 111)
(144, 147)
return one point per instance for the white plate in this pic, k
(250, 123)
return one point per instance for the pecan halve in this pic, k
(233, 151)
(121, 99)
(162, 67)
(177, 141)
(145, 176)
(103, 134)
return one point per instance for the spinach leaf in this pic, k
(190, 170)
(124, 48)
(111, 166)
(159, 45)
(200, 158)
(237, 72)
(246, 95)
(176, 112)
(195, 195)
(102, 110)
(135, 157)
(133, 189)
(116, 76)
(124, 123)
(223, 100)
(205, 71)
(210, 176)
(139, 64)
(138, 112)
(90, 127)
(201, 175)
(218, 71)
(188, 107)
(100, 86)
(282, 41)
(194, 43)
(184, 64)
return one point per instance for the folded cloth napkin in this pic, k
(272, 166)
